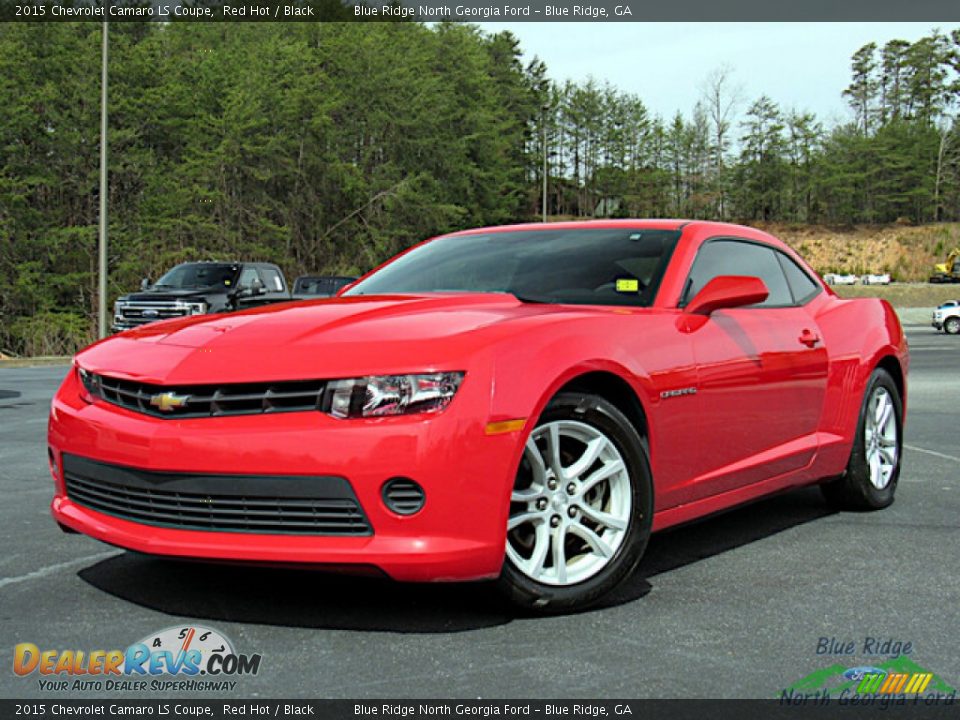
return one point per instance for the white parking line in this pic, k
(51, 569)
(932, 452)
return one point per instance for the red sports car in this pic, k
(525, 403)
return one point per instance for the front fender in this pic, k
(528, 372)
(648, 357)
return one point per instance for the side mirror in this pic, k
(257, 288)
(145, 284)
(727, 291)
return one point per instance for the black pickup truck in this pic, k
(197, 288)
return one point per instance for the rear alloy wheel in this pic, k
(581, 507)
(870, 480)
(951, 326)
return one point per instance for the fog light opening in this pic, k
(403, 496)
(54, 467)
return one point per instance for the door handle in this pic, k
(809, 338)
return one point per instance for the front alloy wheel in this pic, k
(571, 518)
(580, 509)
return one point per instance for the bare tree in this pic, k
(721, 97)
(945, 129)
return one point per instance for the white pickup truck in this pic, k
(947, 317)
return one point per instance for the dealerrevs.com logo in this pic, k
(179, 658)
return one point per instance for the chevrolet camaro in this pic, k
(526, 403)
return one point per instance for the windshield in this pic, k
(579, 266)
(199, 275)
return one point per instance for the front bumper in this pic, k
(466, 474)
(122, 322)
(121, 325)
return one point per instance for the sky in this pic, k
(803, 66)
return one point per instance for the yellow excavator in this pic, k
(949, 271)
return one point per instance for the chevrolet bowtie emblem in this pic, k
(168, 401)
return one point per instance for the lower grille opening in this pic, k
(225, 503)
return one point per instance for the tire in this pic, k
(867, 485)
(951, 326)
(595, 493)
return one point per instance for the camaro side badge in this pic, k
(168, 401)
(677, 393)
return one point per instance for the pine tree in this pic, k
(861, 93)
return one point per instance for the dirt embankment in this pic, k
(907, 252)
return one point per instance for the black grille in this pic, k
(145, 312)
(403, 496)
(136, 313)
(191, 401)
(266, 504)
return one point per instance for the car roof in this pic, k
(210, 262)
(326, 277)
(657, 224)
(227, 262)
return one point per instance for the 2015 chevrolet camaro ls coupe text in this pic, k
(525, 403)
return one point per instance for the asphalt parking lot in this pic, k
(734, 606)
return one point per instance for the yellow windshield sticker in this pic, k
(628, 285)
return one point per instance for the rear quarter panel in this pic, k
(859, 334)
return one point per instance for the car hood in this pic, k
(340, 337)
(171, 294)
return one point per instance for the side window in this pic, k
(271, 279)
(802, 287)
(247, 277)
(732, 257)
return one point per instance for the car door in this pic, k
(761, 370)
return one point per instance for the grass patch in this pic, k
(903, 295)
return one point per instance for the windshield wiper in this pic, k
(535, 299)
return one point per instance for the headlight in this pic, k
(381, 395)
(117, 308)
(199, 308)
(89, 385)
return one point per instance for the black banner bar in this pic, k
(476, 10)
(255, 709)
